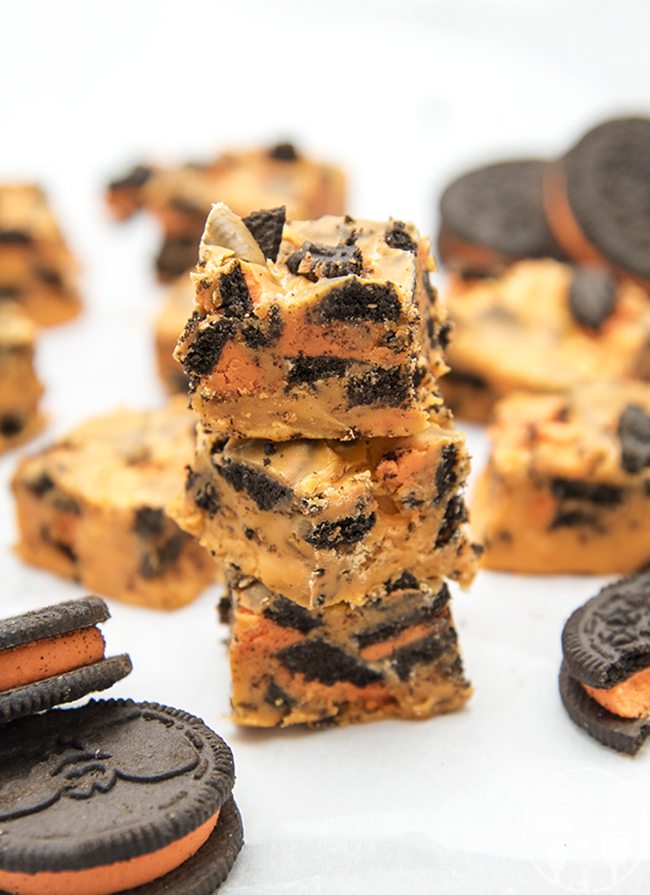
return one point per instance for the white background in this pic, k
(506, 796)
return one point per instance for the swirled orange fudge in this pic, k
(542, 326)
(177, 305)
(567, 485)
(394, 656)
(91, 507)
(180, 197)
(322, 521)
(37, 269)
(315, 329)
(20, 388)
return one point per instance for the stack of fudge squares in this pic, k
(328, 474)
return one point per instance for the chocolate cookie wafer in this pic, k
(55, 655)
(494, 215)
(116, 796)
(605, 676)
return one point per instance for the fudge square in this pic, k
(567, 485)
(20, 387)
(322, 521)
(315, 329)
(542, 326)
(180, 197)
(37, 269)
(91, 507)
(394, 656)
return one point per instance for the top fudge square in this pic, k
(313, 329)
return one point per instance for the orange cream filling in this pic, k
(629, 699)
(563, 223)
(112, 878)
(49, 657)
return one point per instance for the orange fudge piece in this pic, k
(542, 326)
(335, 335)
(92, 507)
(180, 197)
(323, 521)
(567, 485)
(20, 388)
(37, 269)
(394, 656)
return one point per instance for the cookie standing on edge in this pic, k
(605, 675)
(116, 796)
(54, 655)
(494, 215)
(597, 197)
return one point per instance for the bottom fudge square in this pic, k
(567, 485)
(395, 656)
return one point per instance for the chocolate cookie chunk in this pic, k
(592, 296)
(313, 261)
(266, 226)
(497, 209)
(634, 435)
(117, 782)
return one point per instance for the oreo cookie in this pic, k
(116, 796)
(606, 181)
(605, 675)
(55, 655)
(592, 297)
(494, 215)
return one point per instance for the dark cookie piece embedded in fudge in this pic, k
(149, 522)
(159, 559)
(599, 494)
(375, 302)
(277, 697)
(575, 518)
(284, 152)
(206, 347)
(634, 435)
(384, 631)
(422, 652)
(314, 260)
(177, 255)
(11, 424)
(398, 237)
(455, 515)
(266, 226)
(320, 661)
(15, 237)
(446, 477)
(136, 177)
(333, 534)
(389, 387)
(406, 581)
(592, 296)
(41, 484)
(206, 496)
(622, 734)
(263, 490)
(235, 298)
(311, 369)
(287, 614)
(607, 640)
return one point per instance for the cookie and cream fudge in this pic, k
(20, 388)
(180, 197)
(323, 521)
(37, 269)
(92, 507)
(394, 656)
(542, 326)
(315, 329)
(567, 485)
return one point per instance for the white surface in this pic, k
(506, 796)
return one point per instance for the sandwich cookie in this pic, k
(116, 796)
(605, 675)
(493, 216)
(597, 198)
(55, 655)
